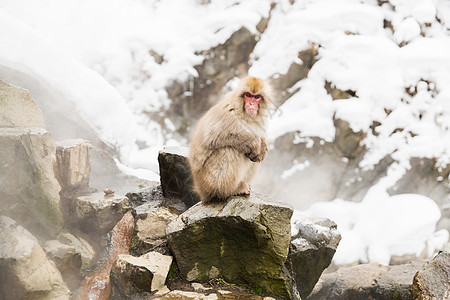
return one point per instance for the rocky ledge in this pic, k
(243, 240)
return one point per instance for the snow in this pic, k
(96, 100)
(295, 167)
(381, 226)
(407, 30)
(113, 60)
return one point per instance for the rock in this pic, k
(296, 72)
(67, 260)
(176, 180)
(98, 212)
(338, 94)
(28, 187)
(150, 230)
(312, 250)
(208, 295)
(18, 109)
(367, 281)
(147, 273)
(74, 163)
(81, 246)
(358, 282)
(396, 282)
(222, 63)
(26, 273)
(184, 295)
(347, 141)
(145, 195)
(433, 280)
(242, 240)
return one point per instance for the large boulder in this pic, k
(176, 180)
(367, 281)
(28, 186)
(243, 240)
(18, 109)
(26, 273)
(312, 248)
(433, 280)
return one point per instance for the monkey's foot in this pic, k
(243, 189)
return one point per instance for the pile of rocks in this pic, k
(180, 248)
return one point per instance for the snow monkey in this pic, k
(229, 142)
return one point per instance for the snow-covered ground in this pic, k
(100, 56)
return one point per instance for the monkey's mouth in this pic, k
(252, 111)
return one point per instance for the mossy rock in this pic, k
(243, 241)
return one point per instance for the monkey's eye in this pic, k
(258, 97)
(247, 95)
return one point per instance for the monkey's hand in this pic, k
(252, 148)
(264, 149)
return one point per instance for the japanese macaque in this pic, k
(229, 142)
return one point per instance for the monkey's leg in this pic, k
(244, 186)
(223, 172)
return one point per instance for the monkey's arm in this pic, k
(244, 142)
(259, 157)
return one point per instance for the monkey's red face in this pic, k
(252, 103)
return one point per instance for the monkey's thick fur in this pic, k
(228, 143)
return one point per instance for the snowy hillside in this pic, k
(383, 67)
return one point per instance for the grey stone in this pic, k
(74, 163)
(395, 283)
(81, 246)
(147, 273)
(312, 250)
(67, 260)
(28, 186)
(26, 273)
(242, 240)
(98, 212)
(149, 232)
(358, 282)
(18, 109)
(433, 280)
(176, 180)
(367, 281)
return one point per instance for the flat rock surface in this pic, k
(98, 211)
(367, 281)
